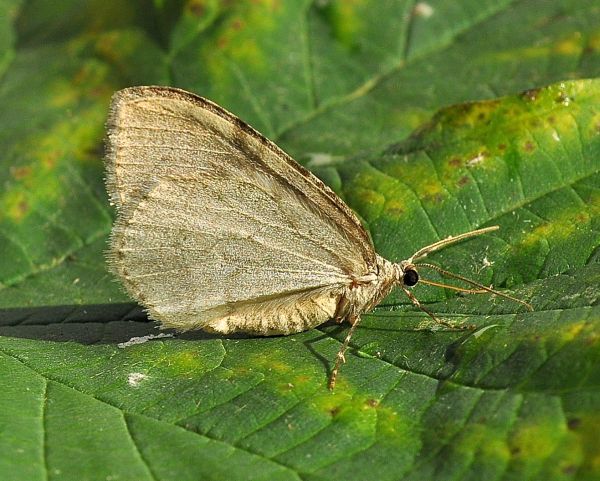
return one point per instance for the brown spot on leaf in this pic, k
(98, 91)
(515, 450)
(237, 24)
(529, 146)
(20, 173)
(436, 198)
(373, 403)
(463, 180)
(222, 42)
(23, 207)
(49, 161)
(395, 212)
(455, 162)
(570, 469)
(530, 95)
(535, 122)
(335, 411)
(581, 217)
(573, 423)
(196, 8)
(501, 146)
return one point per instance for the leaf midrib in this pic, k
(374, 81)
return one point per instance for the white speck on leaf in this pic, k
(423, 9)
(135, 378)
(319, 159)
(476, 160)
(487, 262)
(142, 339)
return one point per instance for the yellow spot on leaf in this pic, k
(572, 331)
(16, 205)
(270, 361)
(595, 125)
(369, 197)
(569, 46)
(62, 94)
(346, 20)
(389, 424)
(184, 362)
(523, 53)
(560, 228)
(478, 436)
(593, 43)
(394, 208)
(534, 441)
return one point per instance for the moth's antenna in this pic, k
(449, 286)
(425, 251)
(475, 284)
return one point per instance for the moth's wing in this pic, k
(155, 131)
(230, 254)
(212, 214)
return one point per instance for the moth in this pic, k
(219, 229)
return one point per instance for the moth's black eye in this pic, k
(410, 278)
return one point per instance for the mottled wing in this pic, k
(217, 227)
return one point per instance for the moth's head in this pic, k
(406, 274)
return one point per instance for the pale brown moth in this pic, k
(219, 229)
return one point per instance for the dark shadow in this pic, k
(90, 324)
(453, 356)
(85, 324)
(83, 332)
(198, 335)
(44, 315)
(327, 362)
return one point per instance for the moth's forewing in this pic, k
(216, 223)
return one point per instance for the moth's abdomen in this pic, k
(293, 314)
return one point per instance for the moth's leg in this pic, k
(354, 319)
(342, 311)
(416, 303)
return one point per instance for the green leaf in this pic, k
(341, 85)
(8, 10)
